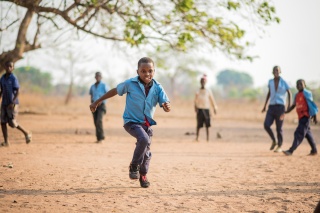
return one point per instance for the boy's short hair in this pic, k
(301, 81)
(98, 73)
(7, 63)
(145, 60)
(276, 67)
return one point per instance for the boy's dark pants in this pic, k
(98, 118)
(142, 154)
(303, 131)
(274, 113)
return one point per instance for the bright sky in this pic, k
(294, 45)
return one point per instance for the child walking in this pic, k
(306, 109)
(278, 88)
(9, 93)
(203, 100)
(143, 93)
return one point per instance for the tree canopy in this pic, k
(177, 24)
(228, 78)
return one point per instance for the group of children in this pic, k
(143, 94)
(305, 107)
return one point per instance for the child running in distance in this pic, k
(306, 110)
(143, 95)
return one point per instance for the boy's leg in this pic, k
(143, 140)
(310, 140)
(99, 122)
(267, 126)
(279, 124)
(207, 131)
(5, 134)
(300, 133)
(147, 156)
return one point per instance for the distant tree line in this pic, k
(33, 80)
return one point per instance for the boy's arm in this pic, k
(290, 108)
(314, 119)
(265, 104)
(109, 94)
(213, 103)
(289, 99)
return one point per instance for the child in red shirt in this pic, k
(306, 109)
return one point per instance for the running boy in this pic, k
(9, 93)
(203, 100)
(143, 95)
(306, 109)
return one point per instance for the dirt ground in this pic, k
(63, 170)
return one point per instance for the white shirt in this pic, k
(204, 99)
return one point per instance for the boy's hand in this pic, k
(93, 107)
(314, 119)
(166, 106)
(215, 111)
(264, 109)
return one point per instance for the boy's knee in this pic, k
(144, 140)
(13, 124)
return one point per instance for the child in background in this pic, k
(9, 106)
(143, 93)
(278, 88)
(203, 100)
(306, 110)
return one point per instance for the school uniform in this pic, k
(141, 102)
(276, 109)
(305, 108)
(96, 91)
(9, 87)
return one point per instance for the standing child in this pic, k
(143, 93)
(97, 90)
(306, 109)
(203, 100)
(278, 89)
(9, 106)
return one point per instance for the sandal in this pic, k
(28, 138)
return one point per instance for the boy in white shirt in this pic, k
(203, 100)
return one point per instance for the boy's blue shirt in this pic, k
(313, 109)
(97, 91)
(279, 96)
(9, 87)
(138, 106)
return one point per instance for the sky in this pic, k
(294, 45)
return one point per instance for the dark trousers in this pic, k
(142, 154)
(303, 131)
(98, 120)
(273, 114)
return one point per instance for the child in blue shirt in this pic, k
(143, 93)
(9, 93)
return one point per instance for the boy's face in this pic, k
(9, 68)
(203, 82)
(98, 78)
(300, 85)
(146, 72)
(276, 72)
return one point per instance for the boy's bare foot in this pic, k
(29, 137)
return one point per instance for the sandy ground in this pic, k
(63, 170)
